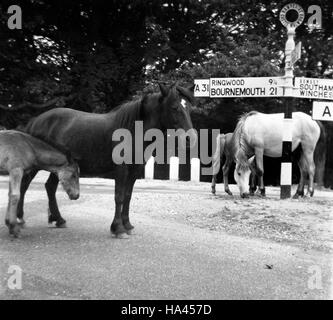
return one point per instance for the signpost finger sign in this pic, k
(239, 87)
(322, 110)
(279, 87)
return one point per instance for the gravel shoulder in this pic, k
(188, 244)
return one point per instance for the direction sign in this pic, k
(313, 88)
(246, 87)
(201, 87)
(322, 110)
(292, 7)
(296, 53)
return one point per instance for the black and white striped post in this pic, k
(286, 165)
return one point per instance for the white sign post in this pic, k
(296, 53)
(239, 87)
(313, 88)
(246, 87)
(286, 165)
(279, 87)
(201, 87)
(322, 110)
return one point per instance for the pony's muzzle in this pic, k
(74, 195)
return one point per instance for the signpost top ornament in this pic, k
(292, 8)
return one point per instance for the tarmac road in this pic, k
(162, 260)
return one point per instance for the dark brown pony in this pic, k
(21, 155)
(89, 138)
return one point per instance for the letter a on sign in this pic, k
(322, 110)
(327, 112)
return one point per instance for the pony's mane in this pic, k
(239, 141)
(127, 113)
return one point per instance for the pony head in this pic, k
(176, 103)
(242, 174)
(68, 175)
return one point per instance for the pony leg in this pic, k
(126, 205)
(303, 172)
(8, 205)
(253, 186)
(213, 184)
(15, 177)
(253, 178)
(226, 169)
(311, 168)
(51, 186)
(26, 180)
(117, 227)
(259, 153)
(217, 160)
(262, 187)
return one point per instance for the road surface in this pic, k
(166, 258)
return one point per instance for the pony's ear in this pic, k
(252, 164)
(164, 89)
(144, 100)
(191, 87)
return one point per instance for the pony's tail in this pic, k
(320, 155)
(220, 143)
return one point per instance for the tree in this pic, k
(93, 54)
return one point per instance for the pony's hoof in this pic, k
(310, 194)
(7, 222)
(120, 235)
(229, 193)
(14, 230)
(21, 222)
(213, 191)
(130, 232)
(61, 224)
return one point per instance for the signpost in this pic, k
(313, 88)
(246, 87)
(310, 88)
(322, 110)
(201, 87)
(296, 53)
(286, 164)
(239, 87)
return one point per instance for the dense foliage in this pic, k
(94, 54)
